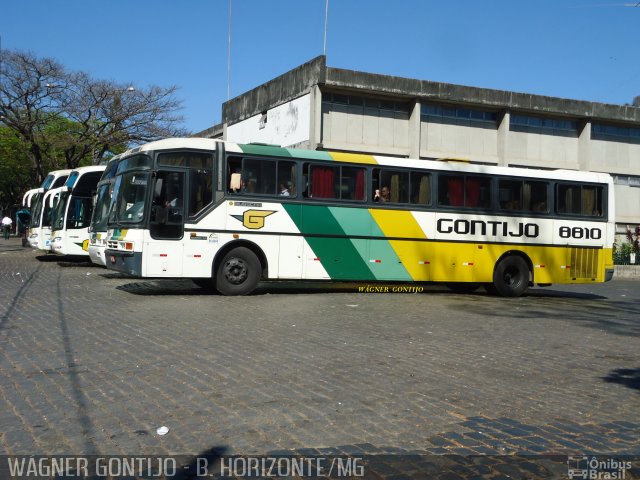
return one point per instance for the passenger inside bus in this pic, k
(382, 195)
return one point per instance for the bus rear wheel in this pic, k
(511, 276)
(238, 272)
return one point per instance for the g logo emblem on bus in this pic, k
(253, 219)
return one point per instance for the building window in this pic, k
(358, 101)
(615, 133)
(628, 180)
(544, 126)
(458, 116)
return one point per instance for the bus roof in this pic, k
(454, 165)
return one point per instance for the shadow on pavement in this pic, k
(629, 377)
(182, 287)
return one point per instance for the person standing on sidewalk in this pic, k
(6, 226)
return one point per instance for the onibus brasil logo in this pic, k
(253, 219)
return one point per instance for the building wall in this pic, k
(438, 140)
(627, 206)
(541, 150)
(614, 157)
(285, 125)
(358, 123)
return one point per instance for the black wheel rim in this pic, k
(235, 271)
(512, 276)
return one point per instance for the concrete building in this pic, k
(319, 107)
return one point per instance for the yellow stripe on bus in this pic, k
(413, 255)
(353, 158)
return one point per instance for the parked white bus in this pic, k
(71, 216)
(39, 233)
(232, 215)
(98, 228)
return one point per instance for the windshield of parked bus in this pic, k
(47, 182)
(37, 209)
(129, 197)
(47, 209)
(59, 211)
(71, 181)
(101, 210)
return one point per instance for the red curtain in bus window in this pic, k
(360, 185)
(455, 191)
(473, 192)
(322, 182)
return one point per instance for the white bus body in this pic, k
(39, 233)
(72, 215)
(505, 228)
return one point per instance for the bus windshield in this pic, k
(101, 210)
(59, 211)
(47, 182)
(37, 209)
(129, 196)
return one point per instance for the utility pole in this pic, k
(229, 56)
(326, 19)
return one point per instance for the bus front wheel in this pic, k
(511, 276)
(238, 272)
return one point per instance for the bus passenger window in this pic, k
(286, 179)
(592, 201)
(510, 194)
(535, 196)
(397, 183)
(451, 190)
(568, 199)
(323, 182)
(421, 188)
(352, 183)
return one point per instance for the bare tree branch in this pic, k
(75, 118)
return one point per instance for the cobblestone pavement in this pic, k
(92, 362)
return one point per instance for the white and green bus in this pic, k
(71, 216)
(231, 215)
(39, 233)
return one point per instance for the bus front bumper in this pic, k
(125, 262)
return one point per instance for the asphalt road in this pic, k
(92, 362)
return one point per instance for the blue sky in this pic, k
(587, 50)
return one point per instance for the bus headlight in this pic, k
(57, 239)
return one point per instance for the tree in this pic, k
(57, 113)
(15, 172)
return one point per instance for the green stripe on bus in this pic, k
(340, 257)
(266, 150)
(379, 255)
(275, 151)
(311, 154)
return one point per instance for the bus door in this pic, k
(164, 251)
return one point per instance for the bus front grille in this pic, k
(584, 262)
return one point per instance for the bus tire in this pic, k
(238, 272)
(511, 276)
